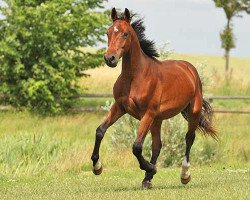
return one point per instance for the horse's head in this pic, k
(119, 37)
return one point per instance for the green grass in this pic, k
(32, 145)
(214, 182)
(232, 104)
(93, 102)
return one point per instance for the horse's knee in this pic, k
(100, 133)
(137, 149)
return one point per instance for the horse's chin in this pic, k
(112, 65)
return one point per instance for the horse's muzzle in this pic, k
(111, 61)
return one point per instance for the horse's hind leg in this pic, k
(156, 148)
(193, 112)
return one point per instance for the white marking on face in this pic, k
(116, 29)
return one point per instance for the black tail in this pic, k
(205, 123)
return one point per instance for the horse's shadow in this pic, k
(162, 187)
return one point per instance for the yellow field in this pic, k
(103, 78)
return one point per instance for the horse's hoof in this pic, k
(97, 169)
(185, 180)
(146, 185)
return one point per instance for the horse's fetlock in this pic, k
(94, 158)
(151, 169)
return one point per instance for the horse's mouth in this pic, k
(111, 64)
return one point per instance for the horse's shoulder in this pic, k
(120, 87)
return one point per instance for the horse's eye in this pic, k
(125, 34)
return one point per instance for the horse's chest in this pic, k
(140, 100)
(135, 105)
(135, 97)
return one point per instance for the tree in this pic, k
(232, 8)
(42, 53)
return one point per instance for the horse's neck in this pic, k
(133, 61)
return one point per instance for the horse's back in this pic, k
(180, 69)
(177, 70)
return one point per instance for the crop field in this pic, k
(49, 157)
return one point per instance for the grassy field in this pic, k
(49, 157)
(215, 182)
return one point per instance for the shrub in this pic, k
(42, 50)
(173, 139)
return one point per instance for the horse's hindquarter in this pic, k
(178, 85)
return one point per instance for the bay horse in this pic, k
(151, 91)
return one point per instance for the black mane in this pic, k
(147, 46)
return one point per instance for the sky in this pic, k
(191, 26)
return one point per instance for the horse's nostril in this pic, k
(112, 58)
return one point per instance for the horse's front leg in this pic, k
(144, 127)
(156, 148)
(114, 114)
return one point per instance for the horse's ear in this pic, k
(114, 14)
(127, 15)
